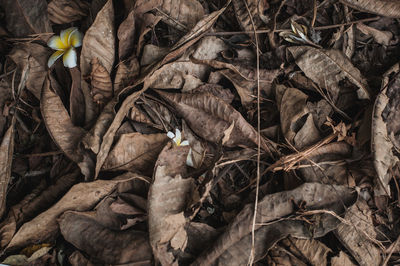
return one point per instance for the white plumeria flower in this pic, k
(177, 138)
(65, 45)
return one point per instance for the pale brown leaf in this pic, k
(6, 156)
(99, 41)
(126, 73)
(386, 8)
(342, 260)
(59, 124)
(102, 244)
(126, 36)
(255, 9)
(135, 152)
(381, 37)
(24, 17)
(81, 197)
(102, 89)
(336, 67)
(181, 14)
(67, 11)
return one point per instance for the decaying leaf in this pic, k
(181, 14)
(342, 260)
(77, 99)
(99, 41)
(127, 71)
(6, 156)
(126, 36)
(337, 67)
(135, 152)
(102, 89)
(234, 245)
(381, 37)
(385, 129)
(67, 11)
(81, 197)
(386, 8)
(359, 235)
(24, 17)
(102, 244)
(209, 116)
(59, 124)
(247, 10)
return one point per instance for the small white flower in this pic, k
(177, 138)
(65, 45)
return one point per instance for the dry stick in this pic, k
(315, 8)
(252, 252)
(280, 30)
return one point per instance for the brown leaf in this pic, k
(342, 260)
(99, 41)
(255, 11)
(209, 116)
(67, 11)
(216, 90)
(126, 36)
(6, 156)
(24, 17)
(386, 8)
(139, 116)
(126, 73)
(358, 236)
(135, 152)
(182, 15)
(385, 126)
(77, 99)
(59, 124)
(381, 37)
(234, 245)
(104, 245)
(33, 56)
(102, 89)
(81, 197)
(336, 67)
(39, 199)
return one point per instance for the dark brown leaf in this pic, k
(386, 8)
(245, 10)
(59, 124)
(104, 245)
(127, 71)
(102, 89)
(6, 156)
(99, 41)
(26, 17)
(77, 99)
(67, 11)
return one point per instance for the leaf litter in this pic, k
(200, 133)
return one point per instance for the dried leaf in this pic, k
(336, 67)
(127, 71)
(81, 197)
(33, 56)
(342, 260)
(384, 130)
(135, 152)
(180, 14)
(24, 17)
(104, 245)
(99, 41)
(59, 124)
(126, 36)
(386, 8)
(234, 245)
(6, 156)
(209, 117)
(381, 37)
(247, 9)
(67, 11)
(216, 90)
(359, 236)
(137, 115)
(77, 99)
(102, 89)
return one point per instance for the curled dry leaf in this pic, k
(359, 235)
(24, 17)
(381, 37)
(102, 244)
(33, 56)
(247, 9)
(102, 89)
(234, 246)
(386, 8)
(181, 14)
(81, 197)
(40, 198)
(384, 130)
(135, 152)
(59, 124)
(139, 116)
(6, 156)
(67, 11)
(77, 99)
(127, 71)
(209, 117)
(342, 260)
(337, 67)
(126, 36)
(99, 40)
(218, 91)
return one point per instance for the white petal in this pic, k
(65, 35)
(185, 143)
(189, 160)
(178, 135)
(70, 58)
(53, 58)
(55, 43)
(170, 135)
(75, 38)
